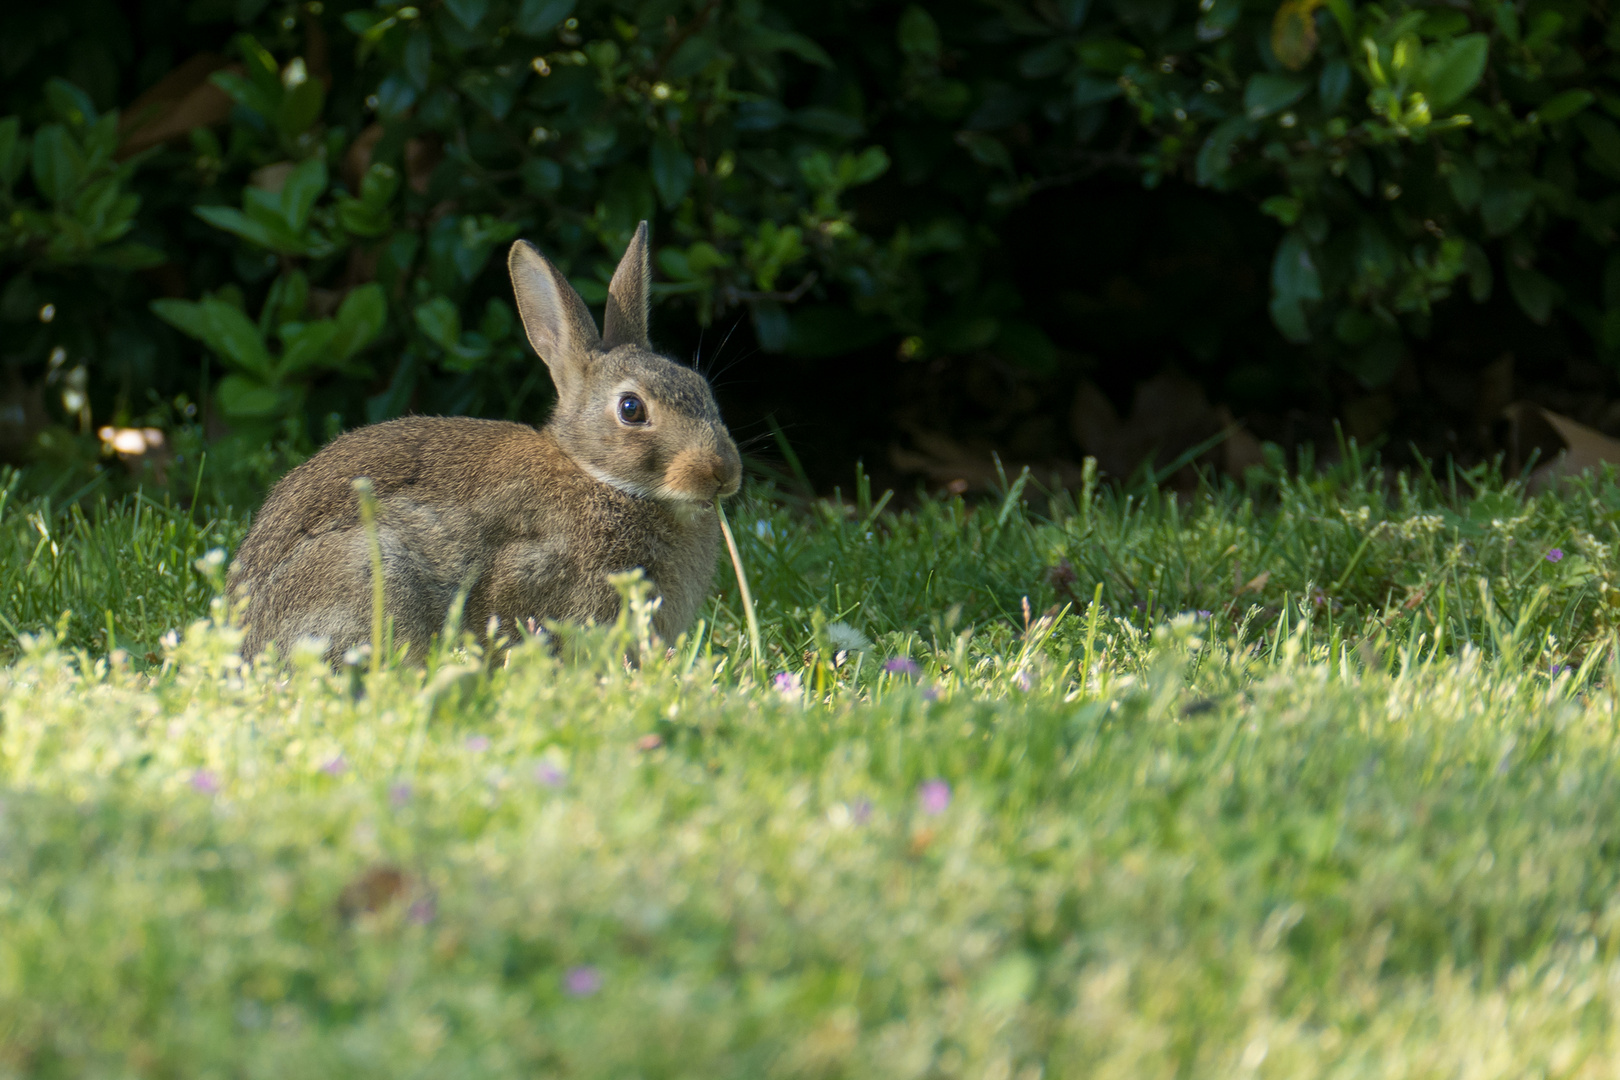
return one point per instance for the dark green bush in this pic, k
(326, 253)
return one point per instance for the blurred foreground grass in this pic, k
(1281, 819)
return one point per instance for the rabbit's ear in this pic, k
(557, 321)
(625, 320)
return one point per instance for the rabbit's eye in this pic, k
(631, 410)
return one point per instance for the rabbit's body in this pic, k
(529, 522)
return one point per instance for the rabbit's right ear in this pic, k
(557, 321)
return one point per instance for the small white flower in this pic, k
(846, 638)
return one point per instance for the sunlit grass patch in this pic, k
(1126, 788)
(1191, 856)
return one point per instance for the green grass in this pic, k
(1359, 820)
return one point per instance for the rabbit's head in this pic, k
(632, 418)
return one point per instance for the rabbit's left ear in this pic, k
(625, 321)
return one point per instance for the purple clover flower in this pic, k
(860, 811)
(787, 683)
(934, 796)
(478, 743)
(582, 981)
(204, 781)
(1024, 681)
(399, 795)
(1555, 554)
(902, 665)
(336, 767)
(550, 774)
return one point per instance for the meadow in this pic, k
(1311, 776)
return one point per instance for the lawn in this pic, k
(1316, 777)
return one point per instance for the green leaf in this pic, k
(541, 176)
(306, 346)
(1480, 277)
(246, 94)
(223, 327)
(1601, 135)
(359, 320)
(1027, 344)
(1466, 184)
(1108, 55)
(418, 58)
(261, 66)
(13, 151)
(1091, 91)
(129, 256)
(273, 235)
(289, 296)
(1505, 203)
(301, 107)
(764, 39)
(1453, 68)
(1535, 292)
(536, 17)
(396, 94)
(1284, 208)
(918, 34)
(245, 398)
(498, 322)
(1294, 280)
(671, 168)
(187, 316)
(1045, 60)
(829, 122)
(59, 165)
(469, 13)
(1333, 84)
(1215, 156)
(440, 320)
(1267, 93)
(304, 185)
(855, 170)
(70, 104)
(1565, 105)
(986, 149)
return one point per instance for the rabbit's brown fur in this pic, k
(529, 522)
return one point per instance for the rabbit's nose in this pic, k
(727, 471)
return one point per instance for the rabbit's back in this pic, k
(496, 508)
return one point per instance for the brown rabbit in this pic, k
(530, 522)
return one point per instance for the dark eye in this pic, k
(631, 410)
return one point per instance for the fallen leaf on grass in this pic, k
(1169, 416)
(1563, 447)
(960, 467)
(375, 888)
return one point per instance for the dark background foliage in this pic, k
(905, 233)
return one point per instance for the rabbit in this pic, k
(528, 521)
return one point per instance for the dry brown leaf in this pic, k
(1567, 447)
(960, 467)
(422, 156)
(180, 101)
(1256, 583)
(373, 889)
(1169, 415)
